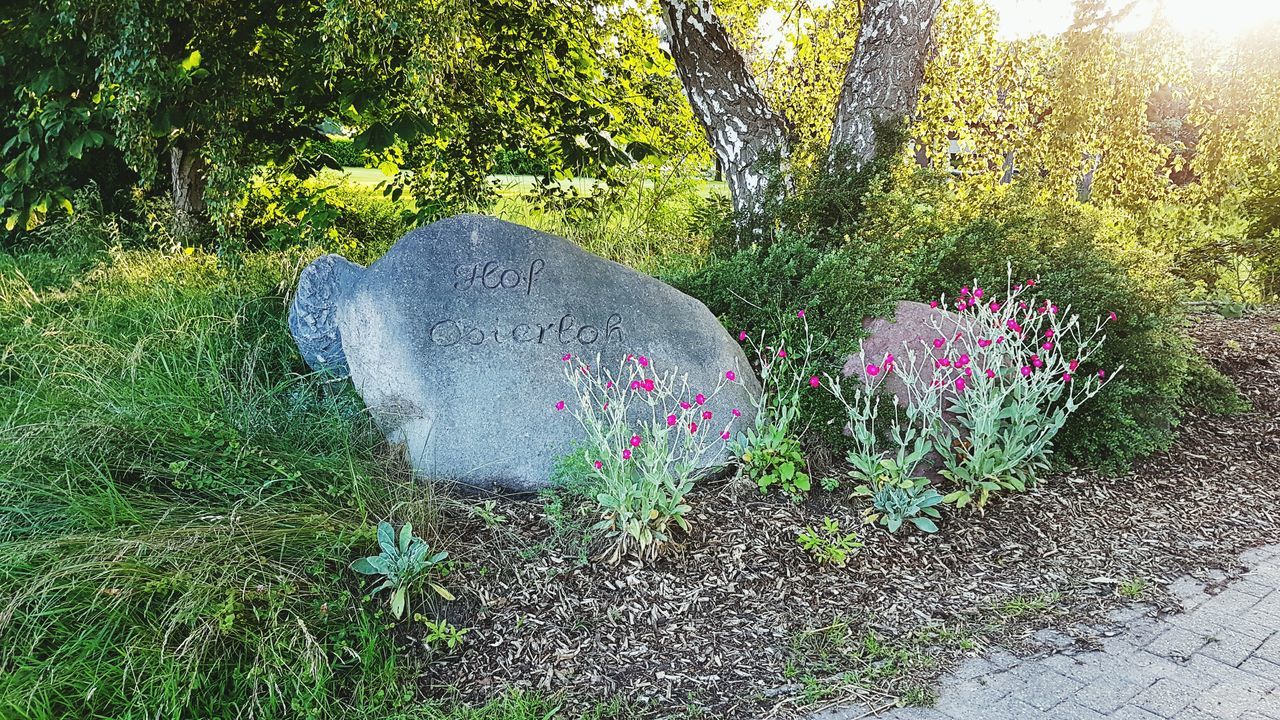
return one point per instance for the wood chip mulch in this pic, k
(739, 622)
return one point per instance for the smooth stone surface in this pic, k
(914, 325)
(455, 340)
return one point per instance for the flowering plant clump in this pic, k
(769, 452)
(987, 394)
(648, 435)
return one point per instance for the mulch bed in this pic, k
(730, 622)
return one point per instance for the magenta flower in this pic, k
(1026, 371)
(813, 381)
(648, 384)
(933, 304)
(1074, 364)
(635, 384)
(699, 398)
(1053, 309)
(939, 342)
(968, 372)
(1066, 377)
(598, 464)
(635, 441)
(609, 385)
(736, 412)
(990, 374)
(1102, 374)
(977, 292)
(995, 307)
(962, 360)
(943, 362)
(742, 336)
(1036, 361)
(1031, 283)
(800, 314)
(730, 376)
(960, 384)
(671, 420)
(1013, 325)
(567, 357)
(724, 435)
(782, 353)
(1048, 333)
(961, 304)
(626, 454)
(1022, 305)
(684, 404)
(872, 370)
(1000, 339)
(693, 428)
(983, 342)
(964, 290)
(644, 361)
(560, 405)
(1111, 315)
(888, 363)
(706, 414)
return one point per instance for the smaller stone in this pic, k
(313, 319)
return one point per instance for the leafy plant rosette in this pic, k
(987, 393)
(649, 435)
(403, 561)
(769, 451)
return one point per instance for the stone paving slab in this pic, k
(1217, 660)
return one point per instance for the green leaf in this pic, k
(441, 591)
(364, 567)
(925, 524)
(406, 536)
(192, 62)
(386, 537)
(398, 599)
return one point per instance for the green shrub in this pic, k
(344, 152)
(327, 211)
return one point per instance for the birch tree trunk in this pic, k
(740, 126)
(882, 85)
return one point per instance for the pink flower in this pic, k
(1048, 333)
(1013, 325)
(706, 414)
(962, 360)
(1036, 361)
(959, 384)
(813, 381)
(560, 405)
(606, 406)
(1053, 309)
(693, 428)
(1102, 374)
(939, 342)
(671, 420)
(648, 384)
(635, 441)
(990, 373)
(977, 292)
(1000, 339)
(567, 357)
(736, 412)
(887, 365)
(724, 435)
(644, 361)
(635, 384)
(1074, 364)
(1066, 377)
(964, 290)
(598, 464)
(1022, 305)
(626, 454)
(742, 335)
(782, 353)
(1026, 371)
(1018, 287)
(800, 314)
(609, 385)
(961, 304)
(1031, 283)
(1047, 346)
(943, 362)
(983, 342)
(699, 398)
(730, 375)
(933, 304)
(1111, 315)
(872, 370)
(995, 307)
(685, 404)
(584, 369)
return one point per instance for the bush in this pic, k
(344, 152)
(327, 211)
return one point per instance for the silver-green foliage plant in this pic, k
(648, 436)
(829, 545)
(404, 560)
(769, 452)
(986, 393)
(909, 500)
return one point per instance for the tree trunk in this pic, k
(740, 126)
(187, 178)
(882, 85)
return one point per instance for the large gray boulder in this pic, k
(914, 326)
(455, 340)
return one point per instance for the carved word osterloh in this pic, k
(492, 275)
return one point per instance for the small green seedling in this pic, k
(401, 563)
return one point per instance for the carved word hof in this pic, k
(492, 275)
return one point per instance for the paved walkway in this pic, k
(1218, 660)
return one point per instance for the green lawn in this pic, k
(512, 185)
